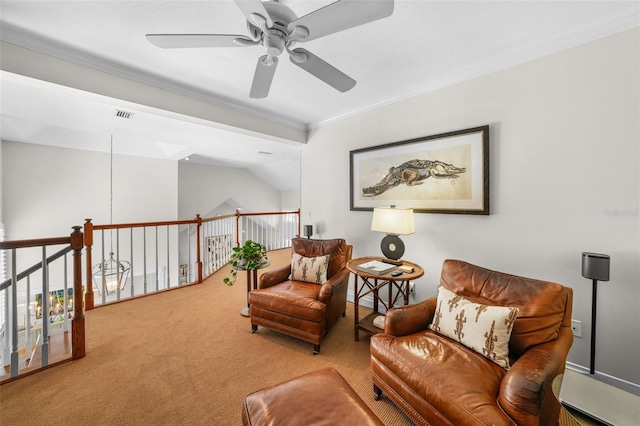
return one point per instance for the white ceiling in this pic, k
(423, 46)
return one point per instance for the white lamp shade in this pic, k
(392, 221)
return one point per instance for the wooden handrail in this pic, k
(37, 242)
(145, 224)
(211, 219)
(22, 275)
(238, 213)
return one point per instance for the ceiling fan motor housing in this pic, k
(274, 42)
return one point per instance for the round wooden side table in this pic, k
(370, 284)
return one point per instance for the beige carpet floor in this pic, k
(183, 357)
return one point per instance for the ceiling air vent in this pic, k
(124, 114)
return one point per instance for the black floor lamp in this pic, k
(595, 266)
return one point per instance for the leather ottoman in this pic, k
(321, 397)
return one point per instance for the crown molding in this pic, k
(564, 43)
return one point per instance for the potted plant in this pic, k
(248, 257)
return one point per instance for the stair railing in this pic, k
(163, 255)
(274, 230)
(190, 250)
(10, 321)
(147, 255)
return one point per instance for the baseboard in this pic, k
(366, 302)
(616, 382)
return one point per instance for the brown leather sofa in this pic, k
(438, 381)
(305, 310)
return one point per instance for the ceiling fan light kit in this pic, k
(277, 28)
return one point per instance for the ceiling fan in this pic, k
(277, 28)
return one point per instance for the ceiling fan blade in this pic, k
(324, 71)
(341, 15)
(249, 7)
(175, 41)
(263, 77)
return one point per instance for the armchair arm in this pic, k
(409, 319)
(339, 279)
(528, 382)
(274, 276)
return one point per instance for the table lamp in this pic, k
(393, 222)
(595, 266)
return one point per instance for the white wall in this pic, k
(203, 188)
(1, 196)
(47, 190)
(564, 155)
(290, 200)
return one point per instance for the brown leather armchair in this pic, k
(438, 381)
(301, 309)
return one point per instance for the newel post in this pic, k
(198, 245)
(88, 242)
(77, 324)
(237, 228)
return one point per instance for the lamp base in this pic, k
(392, 248)
(392, 261)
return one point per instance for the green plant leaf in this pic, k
(250, 256)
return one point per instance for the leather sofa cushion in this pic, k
(454, 380)
(336, 248)
(541, 304)
(294, 298)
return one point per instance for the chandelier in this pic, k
(111, 274)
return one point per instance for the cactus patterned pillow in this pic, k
(309, 269)
(482, 328)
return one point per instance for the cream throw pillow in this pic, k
(482, 328)
(309, 269)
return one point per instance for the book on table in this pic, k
(375, 267)
(406, 269)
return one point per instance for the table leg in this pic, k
(356, 305)
(245, 311)
(376, 297)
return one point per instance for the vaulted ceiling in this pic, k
(424, 45)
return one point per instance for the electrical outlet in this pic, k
(576, 327)
(412, 288)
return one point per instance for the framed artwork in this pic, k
(445, 173)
